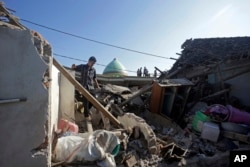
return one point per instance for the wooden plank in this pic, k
(86, 94)
(236, 136)
(142, 90)
(236, 74)
(156, 98)
(12, 19)
(215, 94)
(105, 120)
(242, 65)
(221, 82)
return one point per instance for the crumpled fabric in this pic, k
(96, 146)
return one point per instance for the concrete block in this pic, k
(133, 160)
(130, 120)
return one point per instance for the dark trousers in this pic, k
(87, 106)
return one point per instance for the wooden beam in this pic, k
(222, 82)
(142, 90)
(12, 19)
(237, 73)
(242, 65)
(215, 94)
(236, 136)
(105, 120)
(86, 94)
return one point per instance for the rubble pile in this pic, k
(144, 145)
(151, 139)
(210, 64)
(186, 117)
(203, 52)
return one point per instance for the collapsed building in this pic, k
(181, 118)
(221, 62)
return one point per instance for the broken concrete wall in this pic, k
(24, 125)
(130, 120)
(67, 98)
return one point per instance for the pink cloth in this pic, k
(65, 125)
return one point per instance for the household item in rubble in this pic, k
(66, 125)
(173, 152)
(218, 113)
(210, 131)
(100, 146)
(169, 97)
(238, 116)
(198, 121)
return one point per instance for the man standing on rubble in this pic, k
(88, 78)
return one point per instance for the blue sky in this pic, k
(153, 26)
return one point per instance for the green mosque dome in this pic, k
(115, 69)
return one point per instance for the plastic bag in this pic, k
(96, 146)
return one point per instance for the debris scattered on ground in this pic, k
(185, 117)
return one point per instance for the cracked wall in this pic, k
(25, 125)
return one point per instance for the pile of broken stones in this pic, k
(150, 139)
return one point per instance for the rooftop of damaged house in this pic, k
(195, 114)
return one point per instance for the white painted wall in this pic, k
(55, 76)
(67, 97)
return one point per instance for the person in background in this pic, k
(88, 79)
(145, 72)
(155, 73)
(138, 72)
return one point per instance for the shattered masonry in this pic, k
(192, 115)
